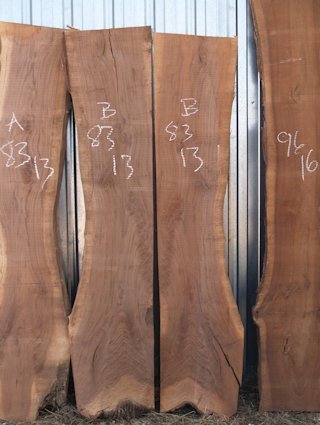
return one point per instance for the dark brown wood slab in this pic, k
(111, 325)
(34, 347)
(201, 337)
(288, 306)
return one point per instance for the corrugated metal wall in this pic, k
(242, 206)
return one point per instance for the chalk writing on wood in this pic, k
(189, 107)
(14, 121)
(17, 156)
(102, 133)
(306, 163)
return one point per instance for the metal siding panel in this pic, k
(108, 14)
(93, 15)
(11, 11)
(134, 13)
(52, 13)
(36, 12)
(159, 17)
(200, 18)
(67, 13)
(175, 16)
(62, 223)
(118, 13)
(26, 12)
(190, 17)
(72, 222)
(149, 12)
(211, 17)
(77, 14)
(231, 216)
(48, 13)
(254, 171)
(242, 158)
(231, 13)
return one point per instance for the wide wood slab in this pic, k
(34, 348)
(201, 337)
(288, 306)
(111, 327)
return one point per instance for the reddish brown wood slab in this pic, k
(111, 325)
(201, 333)
(288, 306)
(34, 348)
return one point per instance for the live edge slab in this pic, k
(201, 337)
(34, 346)
(111, 326)
(288, 305)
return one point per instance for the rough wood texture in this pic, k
(288, 306)
(201, 333)
(111, 325)
(34, 348)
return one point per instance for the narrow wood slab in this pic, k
(111, 326)
(34, 347)
(201, 333)
(288, 306)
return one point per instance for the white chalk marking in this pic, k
(291, 60)
(128, 165)
(46, 160)
(94, 140)
(218, 148)
(186, 132)
(14, 121)
(189, 106)
(288, 140)
(297, 147)
(11, 160)
(106, 111)
(24, 145)
(114, 165)
(183, 157)
(313, 165)
(112, 142)
(196, 149)
(173, 134)
(36, 167)
(302, 167)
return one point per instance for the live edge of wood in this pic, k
(111, 326)
(201, 339)
(34, 346)
(287, 311)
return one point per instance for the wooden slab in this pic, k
(34, 348)
(288, 306)
(201, 333)
(111, 326)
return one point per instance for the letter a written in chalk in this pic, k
(13, 121)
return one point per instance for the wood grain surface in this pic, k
(288, 306)
(34, 348)
(111, 326)
(201, 338)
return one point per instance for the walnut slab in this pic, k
(287, 311)
(201, 337)
(34, 348)
(111, 326)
